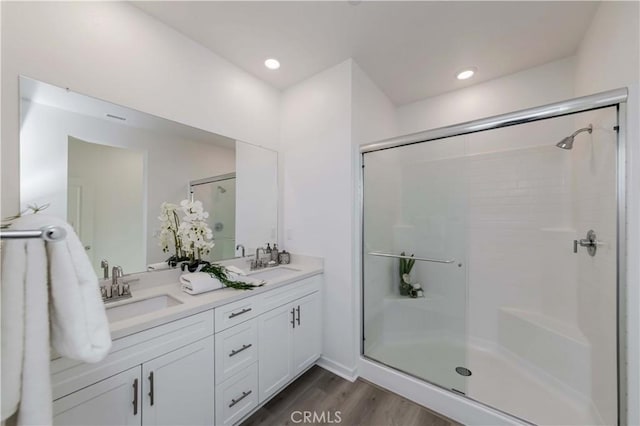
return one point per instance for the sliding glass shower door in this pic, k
(218, 197)
(414, 217)
(490, 265)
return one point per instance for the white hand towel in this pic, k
(236, 270)
(158, 266)
(199, 282)
(79, 326)
(248, 280)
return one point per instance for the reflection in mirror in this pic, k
(107, 170)
(218, 196)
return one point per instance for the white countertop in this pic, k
(166, 282)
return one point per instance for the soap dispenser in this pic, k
(274, 253)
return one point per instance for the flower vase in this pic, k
(405, 287)
(195, 265)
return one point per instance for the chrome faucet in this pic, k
(105, 268)
(118, 290)
(257, 263)
(116, 273)
(240, 246)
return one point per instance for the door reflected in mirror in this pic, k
(107, 169)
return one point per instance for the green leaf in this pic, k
(220, 272)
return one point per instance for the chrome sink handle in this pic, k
(105, 268)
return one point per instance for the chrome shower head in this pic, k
(567, 143)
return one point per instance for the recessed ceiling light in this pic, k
(465, 74)
(272, 64)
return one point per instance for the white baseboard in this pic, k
(350, 374)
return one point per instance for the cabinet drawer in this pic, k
(286, 294)
(237, 312)
(237, 397)
(236, 349)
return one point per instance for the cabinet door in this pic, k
(178, 386)
(274, 348)
(113, 401)
(307, 334)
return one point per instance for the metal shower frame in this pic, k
(617, 98)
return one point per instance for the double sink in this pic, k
(134, 308)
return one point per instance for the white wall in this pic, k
(316, 146)
(324, 118)
(537, 86)
(114, 51)
(373, 115)
(257, 201)
(608, 58)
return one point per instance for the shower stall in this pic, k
(514, 228)
(218, 197)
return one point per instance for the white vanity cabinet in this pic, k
(279, 339)
(213, 367)
(289, 341)
(173, 363)
(175, 388)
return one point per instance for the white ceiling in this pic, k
(412, 50)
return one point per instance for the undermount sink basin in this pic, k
(140, 307)
(273, 273)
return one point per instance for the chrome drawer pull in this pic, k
(237, 351)
(235, 314)
(235, 401)
(135, 397)
(151, 386)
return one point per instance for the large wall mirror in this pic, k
(108, 169)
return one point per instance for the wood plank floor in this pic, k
(359, 403)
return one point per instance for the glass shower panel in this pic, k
(415, 203)
(219, 200)
(542, 315)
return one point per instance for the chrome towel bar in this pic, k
(47, 233)
(423, 259)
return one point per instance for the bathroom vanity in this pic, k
(212, 358)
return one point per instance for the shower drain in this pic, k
(463, 371)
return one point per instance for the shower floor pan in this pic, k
(496, 380)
